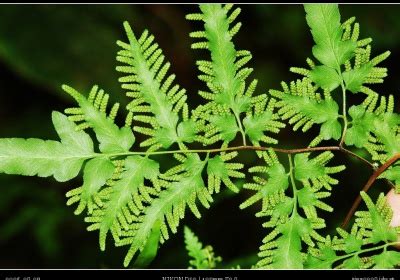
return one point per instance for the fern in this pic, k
(371, 228)
(129, 194)
(202, 258)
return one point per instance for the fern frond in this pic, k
(313, 173)
(376, 221)
(261, 119)
(324, 21)
(202, 258)
(282, 247)
(124, 199)
(225, 76)
(92, 113)
(361, 247)
(303, 107)
(168, 207)
(153, 91)
(376, 128)
(219, 171)
(95, 175)
(344, 48)
(269, 190)
(62, 160)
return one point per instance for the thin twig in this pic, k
(369, 183)
(357, 156)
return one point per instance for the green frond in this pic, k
(375, 127)
(282, 247)
(262, 119)
(169, 206)
(326, 29)
(125, 199)
(202, 258)
(362, 247)
(220, 171)
(152, 91)
(267, 189)
(92, 112)
(342, 47)
(313, 173)
(304, 107)
(386, 260)
(225, 75)
(36, 157)
(376, 220)
(95, 175)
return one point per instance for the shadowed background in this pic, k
(44, 46)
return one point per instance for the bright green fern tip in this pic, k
(201, 258)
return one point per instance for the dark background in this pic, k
(44, 46)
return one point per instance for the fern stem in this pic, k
(291, 170)
(384, 246)
(240, 128)
(344, 105)
(245, 148)
(227, 149)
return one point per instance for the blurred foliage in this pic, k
(44, 46)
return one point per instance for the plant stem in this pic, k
(344, 107)
(236, 148)
(384, 246)
(240, 128)
(291, 171)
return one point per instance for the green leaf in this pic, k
(223, 58)
(361, 126)
(68, 134)
(255, 125)
(153, 90)
(324, 21)
(356, 77)
(149, 252)
(137, 168)
(31, 157)
(306, 197)
(385, 132)
(326, 77)
(387, 259)
(288, 252)
(278, 178)
(216, 166)
(202, 258)
(276, 181)
(392, 174)
(378, 221)
(195, 249)
(325, 259)
(352, 263)
(165, 137)
(306, 168)
(331, 130)
(170, 205)
(227, 126)
(352, 244)
(112, 139)
(187, 131)
(325, 112)
(95, 175)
